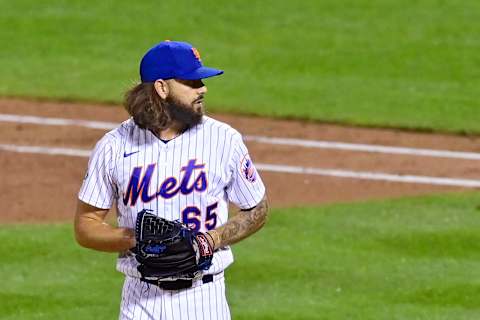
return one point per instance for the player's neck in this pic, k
(171, 132)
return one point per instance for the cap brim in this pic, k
(200, 73)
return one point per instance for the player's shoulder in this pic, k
(115, 136)
(119, 133)
(220, 127)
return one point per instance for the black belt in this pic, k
(178, 284)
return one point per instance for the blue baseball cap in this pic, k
(174, 60)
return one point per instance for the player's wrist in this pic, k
(128, 237)
(214, 239)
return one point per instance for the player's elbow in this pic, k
(84, 231)
(81, 234)
(263, 220)
(261, 213)
(81, 241)
(86, 225)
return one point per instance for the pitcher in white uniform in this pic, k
(171, 158)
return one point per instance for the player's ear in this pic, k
(162, 88)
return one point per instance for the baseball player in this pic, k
(179, 164)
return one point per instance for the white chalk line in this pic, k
(46, 150)
(262, 139)
(466, 183)
(366, 148)
(57, 121)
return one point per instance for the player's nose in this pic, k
(202, 90)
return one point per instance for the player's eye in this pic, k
(194, 84)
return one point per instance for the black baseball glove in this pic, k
(168, 249)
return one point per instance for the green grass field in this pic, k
(416, 258)
(411, 64)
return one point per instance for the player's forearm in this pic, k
(98, 235)
(241, 226)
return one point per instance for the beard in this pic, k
(183, 113)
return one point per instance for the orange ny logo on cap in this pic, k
(196, 53)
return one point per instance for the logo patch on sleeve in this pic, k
(248, 169)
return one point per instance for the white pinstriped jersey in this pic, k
(191, 178)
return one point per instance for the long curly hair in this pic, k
(147, 108)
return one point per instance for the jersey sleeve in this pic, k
(246, 188)
(98, 187)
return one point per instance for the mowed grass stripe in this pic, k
(414, 258)
(411, 64)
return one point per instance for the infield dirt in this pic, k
(42, 188)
